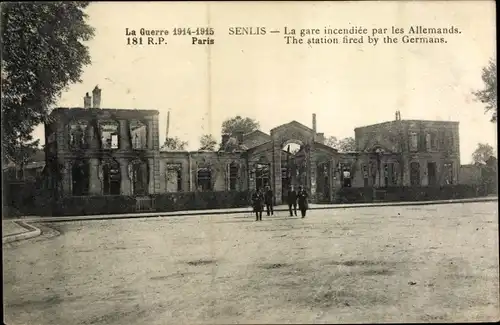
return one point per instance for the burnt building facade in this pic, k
(97, 152)
(92, 151)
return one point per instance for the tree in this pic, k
(43, 52)
(174, 144)
(347, 145)
(207, 142)
(482, 153)
(332, 142)
(239, 124)
(343, 145)
(488, 95)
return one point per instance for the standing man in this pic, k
(269, 200)
(258, 204)
(292, 200)
(302, 198)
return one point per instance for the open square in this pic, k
(386, 264)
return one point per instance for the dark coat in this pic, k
(291, 197)
(269, 197)
(258, 201)
(302, 198)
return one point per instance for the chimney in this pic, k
(320, 137)
(314, 123)
(87, 101)
(225, 138)
(96, 94)
(239, 137)
(168, 124)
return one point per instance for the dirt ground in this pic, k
(393, 264)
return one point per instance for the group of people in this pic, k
(266, 197)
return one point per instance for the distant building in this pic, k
(409, 153)
(481, 174)
(31, 171)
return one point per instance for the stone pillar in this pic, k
(95, 183)
(150, 135)
(424, 172)
(163, 177)
(124, 135)
(62, 136)
(157, 173)
(151, 177)
(406, 171)
(243, 175)
(379, 175)
(382, 172)
(125, 185)
(155, 133)
(456, 171)
(337, 184)
(313, 168)
(67, 179)
(331, 180)
(190, 173)
(277, 172)
(92, 136)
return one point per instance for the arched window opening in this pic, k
(292, 154)
(80, 178)
(173, 176)
(292, 147)
(262, 175)
(413, 141)
(204, 177)
(138, 134)
(431, 141)
(111, 178)
(109, 132)
(78, 135)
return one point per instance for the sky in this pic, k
(261, 77)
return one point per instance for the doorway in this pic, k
(431, 172)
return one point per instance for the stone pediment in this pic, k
(290, 126)
(294, 131)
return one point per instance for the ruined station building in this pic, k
(96, 156)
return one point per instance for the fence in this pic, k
(398, 194)
(28, 199)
